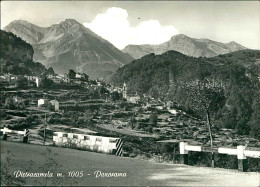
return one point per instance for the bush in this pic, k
(255, 130)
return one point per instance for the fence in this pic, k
(89, 142)
(240, 151)
(25, 134)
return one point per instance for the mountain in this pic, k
(70, 45)
(172, 75)
(186, 45)
(16, 56)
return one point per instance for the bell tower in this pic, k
(124, 90)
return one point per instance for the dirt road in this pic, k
(134, 172)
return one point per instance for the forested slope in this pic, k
(166, 76)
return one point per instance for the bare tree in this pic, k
(207, 96)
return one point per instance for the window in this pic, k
(112, 140)
(75, 136)
(86, 138)
(55, 134)
(99, 139)
(65, 135)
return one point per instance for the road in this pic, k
(39, 159)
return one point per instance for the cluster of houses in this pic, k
(80, 79)
(129, 96)
(58, 79)
(54, 103)
(10, 80)
(145, 101)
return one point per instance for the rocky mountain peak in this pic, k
(67, 24)
(180, 36)
(27, 31)
(234, 46)
(21, 22)
(70, 45)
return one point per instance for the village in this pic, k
(75, 102)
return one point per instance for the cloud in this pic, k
(113, 25)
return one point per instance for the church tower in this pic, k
(124, 90)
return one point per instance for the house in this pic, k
(159, 107)
(78, 82)
(117, 89)
(133, 99)
(66, 80)
(56, 105)
(32, 79)
(31, 84)
(50, 76)
(130, 97)
(41, 102)
(56, 80)
(79, 76)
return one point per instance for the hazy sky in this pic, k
(147, 22)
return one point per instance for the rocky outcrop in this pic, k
(15, 48)
(186, 45)
(17, 56)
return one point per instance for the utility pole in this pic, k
(44, 131)
(211, 139)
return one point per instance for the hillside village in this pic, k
(101, 105)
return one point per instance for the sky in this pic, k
(147, 22)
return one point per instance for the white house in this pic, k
(36, 79)
(133, 99)
(41, 102)
(79, 76)
(56, 105)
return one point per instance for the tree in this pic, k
(50, 71)
(22, 83)
(9, 103)
(84, 77)
(132, 122)
(115, 96)
(72, 74)
(207, 96)
(102, 90)
(153, 118)
(255, 118)
(46, 83)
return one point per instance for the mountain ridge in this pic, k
(189, 46)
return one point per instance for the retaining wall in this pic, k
(102, 144)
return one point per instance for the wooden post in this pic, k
(211, 139)
(242, 161)
(183, 153)
(4, 134)
(44, 131)
(25, 136)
